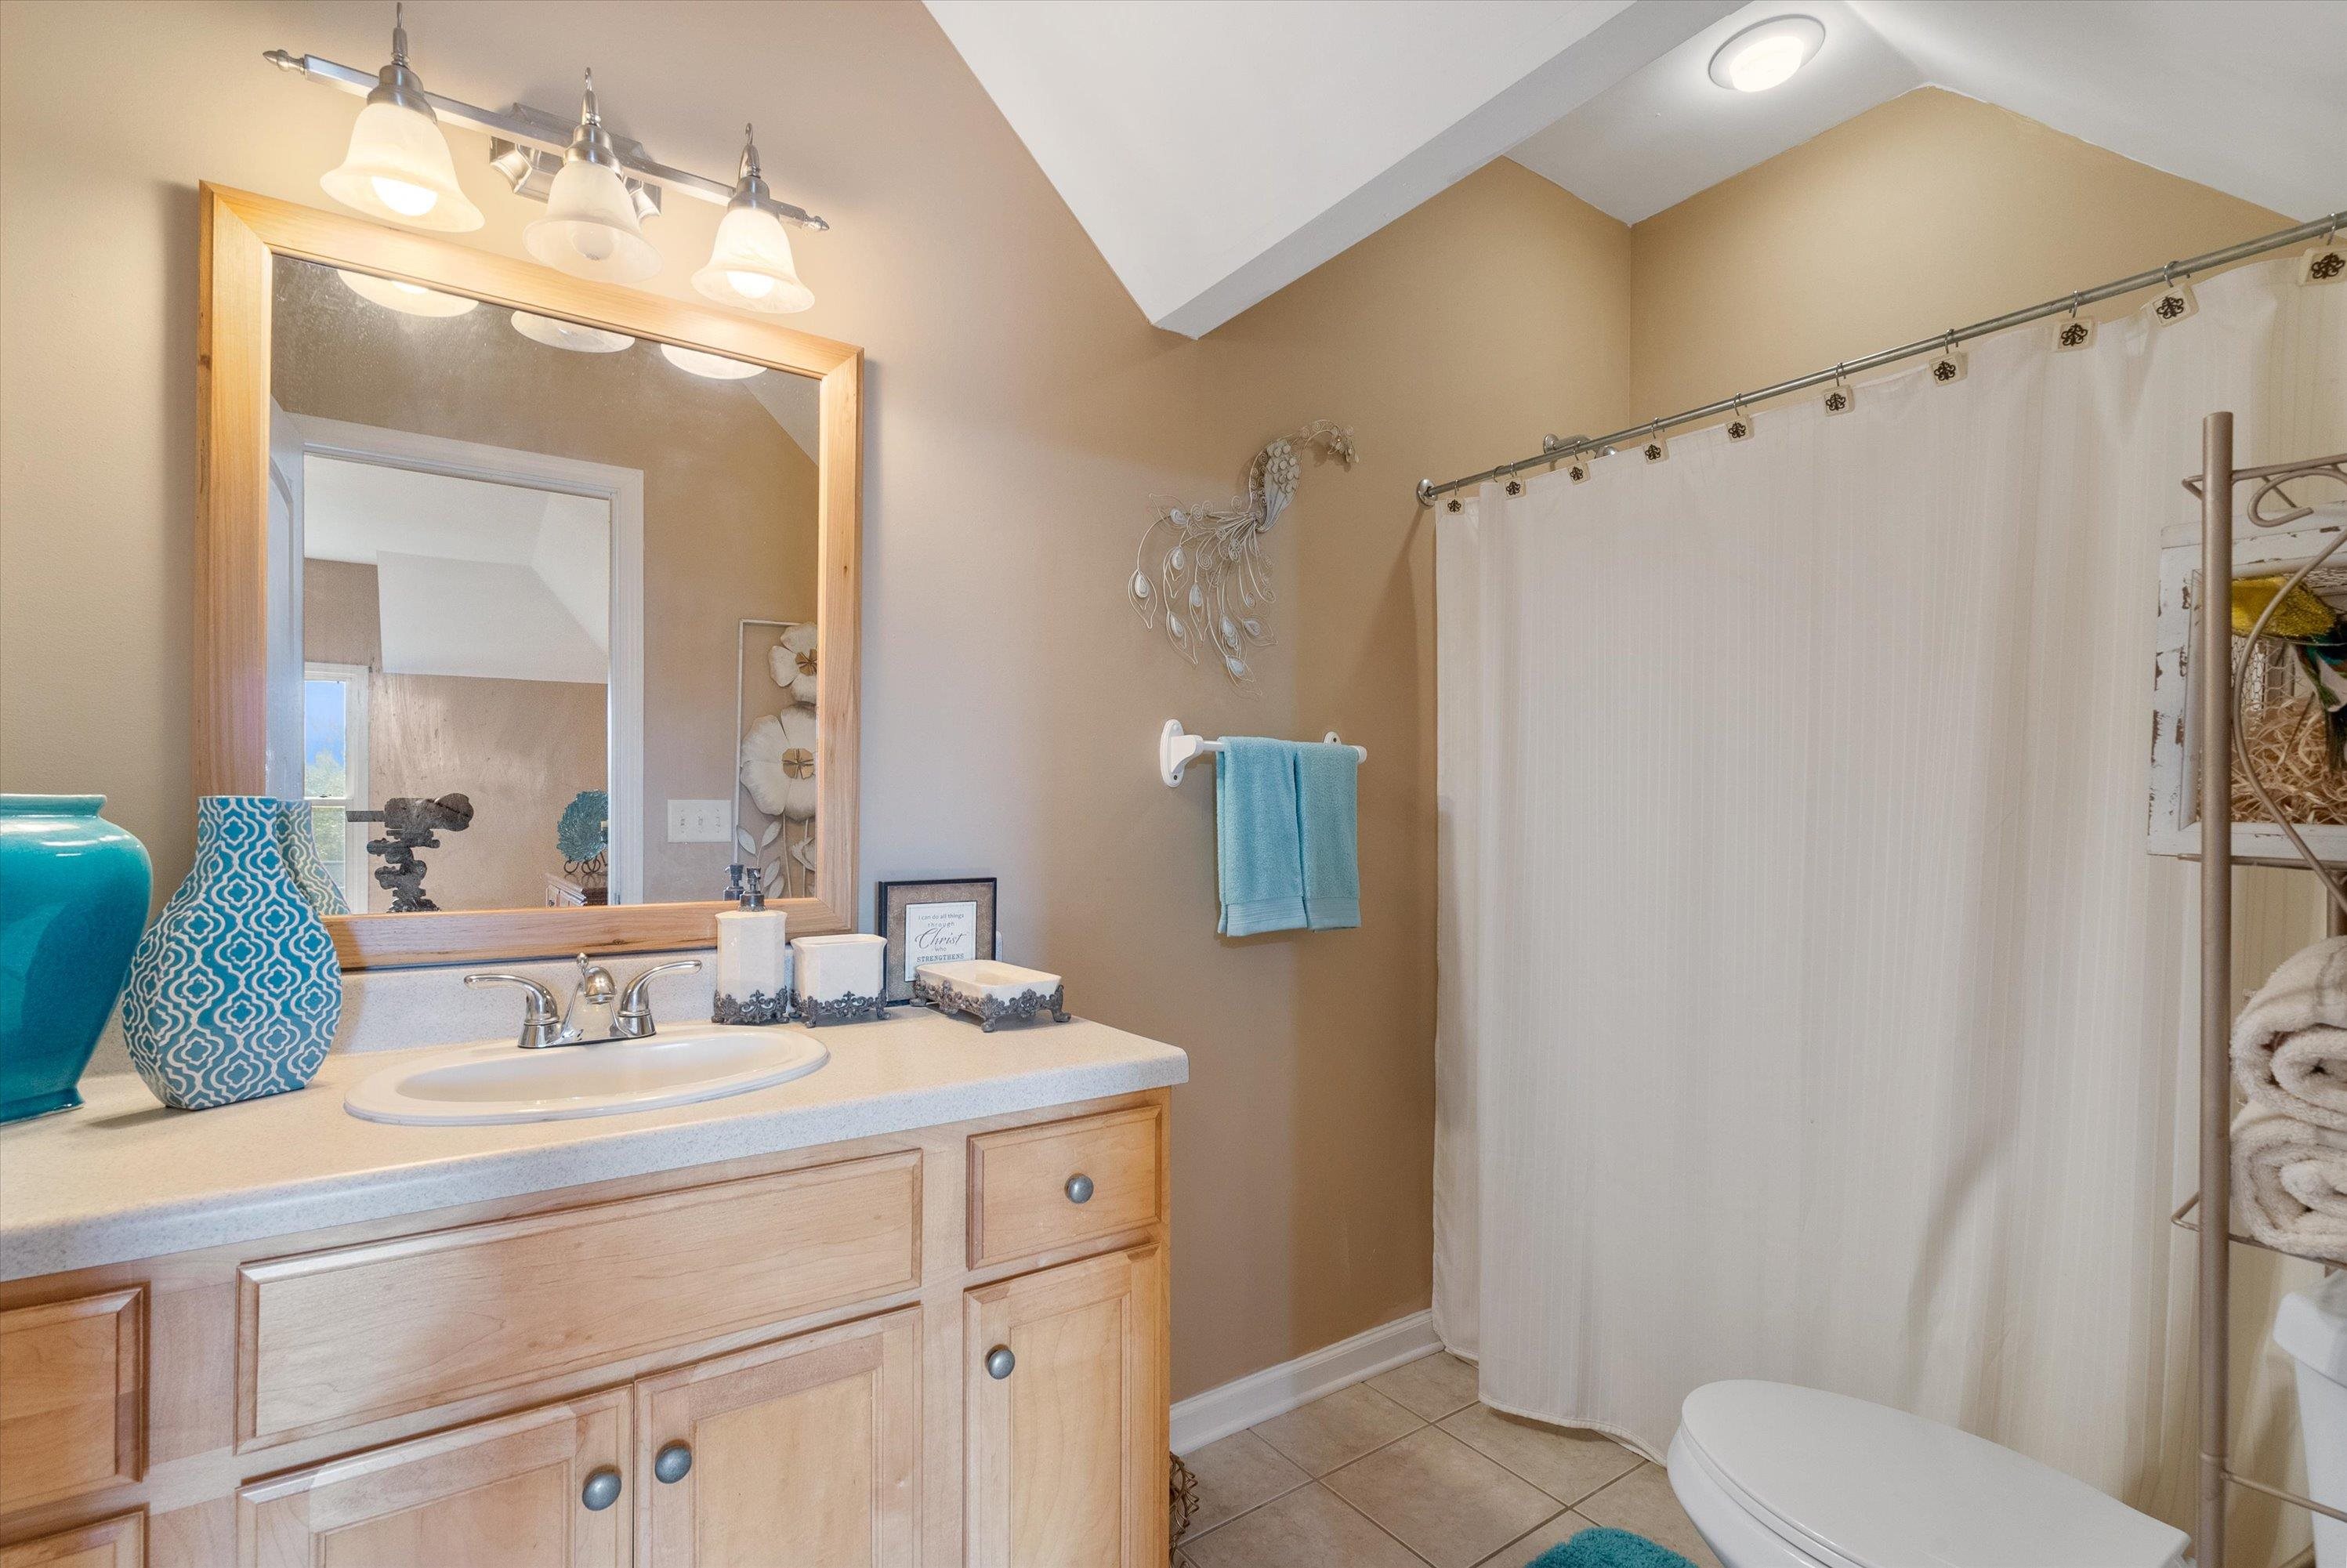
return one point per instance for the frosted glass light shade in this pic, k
(409, 299)
(750, 266)
(589, 230)
(715, 366)
(398, 167)
(578, 339)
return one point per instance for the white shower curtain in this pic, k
(1811, 1009)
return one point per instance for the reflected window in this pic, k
(334, 770)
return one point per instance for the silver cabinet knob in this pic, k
(1079, 1188)
(672, 1464)
(602, 1491)
(999, 1362)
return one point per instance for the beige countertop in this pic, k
(123, 1178)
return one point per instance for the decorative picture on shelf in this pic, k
(933, 923)
(775, 793)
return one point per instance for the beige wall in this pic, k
(729, 519)
(1929, 213)
(1022, 414)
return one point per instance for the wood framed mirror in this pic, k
(546, 640)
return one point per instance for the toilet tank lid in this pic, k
(2312, 1324)
(1854, 1482)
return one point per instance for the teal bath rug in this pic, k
(1609, 1549)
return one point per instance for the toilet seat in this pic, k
(1778, 1476)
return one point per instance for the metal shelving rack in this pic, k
(2215, 485)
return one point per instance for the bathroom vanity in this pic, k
(908, 1309)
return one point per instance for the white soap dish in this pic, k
(991, 992)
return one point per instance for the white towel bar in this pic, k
(1176, 751)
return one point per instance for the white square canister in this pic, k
(838, 977)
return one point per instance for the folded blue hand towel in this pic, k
(1326, 782)
(1258, 858)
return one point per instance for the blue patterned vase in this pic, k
(297, 843)
(234, 992)
(73, 894)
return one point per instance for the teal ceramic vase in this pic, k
(235, 990)
(73, 894)
(297, 843)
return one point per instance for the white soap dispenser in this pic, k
(753, 959)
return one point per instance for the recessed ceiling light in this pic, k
(1766, 54)
(715, 366)
(409, 299)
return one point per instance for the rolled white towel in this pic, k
(2289, 1184)
(2290, 1044)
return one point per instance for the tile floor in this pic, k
(1407, 1470)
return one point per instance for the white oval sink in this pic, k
(477, 1085)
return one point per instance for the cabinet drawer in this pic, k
(72, 1397)
(1025, 1184)
(333, 1337)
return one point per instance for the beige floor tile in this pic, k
(1432, 1386)
(1311, 1527)
(1524, 1548)
(1234, 1475)
(1566, 1465)
(1338, 1427)
(1441, 1499)
(1642, 1501)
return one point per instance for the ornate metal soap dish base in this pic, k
(840, 1010)
(757, 1008)
(991, 1011)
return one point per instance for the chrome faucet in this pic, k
(598, 1013)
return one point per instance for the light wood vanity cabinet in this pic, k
(763, 1363)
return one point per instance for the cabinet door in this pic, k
(506, 1493)
(1066, 1449)
(804, 1452)
(117, 1542)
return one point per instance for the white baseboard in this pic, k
(1275, 1390)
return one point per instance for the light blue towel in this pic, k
(1285, 850)
(1327, 781)
(1259, 855)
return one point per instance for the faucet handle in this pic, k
(539, 1026)
(635, 1002)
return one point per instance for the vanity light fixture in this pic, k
(715, 366)
(751, 264)
(1767, 54)
(408, 299)
(589, 230)
(397, 165)
(555, 334)
(599, 187)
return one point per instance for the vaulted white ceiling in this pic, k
(1216, 150)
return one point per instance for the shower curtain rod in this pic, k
(1556, 451)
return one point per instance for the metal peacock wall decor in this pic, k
(1201, 569)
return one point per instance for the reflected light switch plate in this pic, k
(697, 821)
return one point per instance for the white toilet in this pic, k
(2312, 1327)
(1777, 1476)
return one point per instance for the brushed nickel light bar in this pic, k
(1556, 451)
(528, 144)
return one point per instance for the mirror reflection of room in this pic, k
(553, 641)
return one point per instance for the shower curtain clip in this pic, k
(1653, 449)
(1739, 424)
(2326, 262)
(1839, 399)
(2174, 301)
(1948, 364)
(2074, 332)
